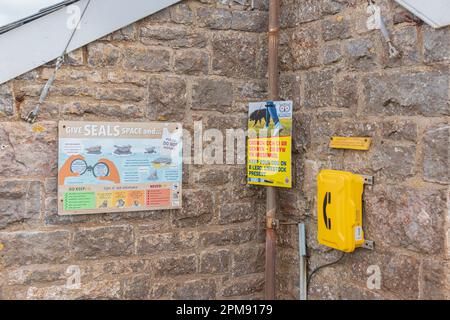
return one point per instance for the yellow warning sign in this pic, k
(353, 143)
(269, 145)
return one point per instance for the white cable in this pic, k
(31, 117)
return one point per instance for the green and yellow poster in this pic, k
(269, 144)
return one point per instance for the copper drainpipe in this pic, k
(271, 201)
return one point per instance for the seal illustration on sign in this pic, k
(94, 149)
(150, 150)
(120, 203)
(104, 204)
(122, 150)
(162, 160)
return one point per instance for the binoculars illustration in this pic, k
(100, 169)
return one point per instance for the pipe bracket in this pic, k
(272, 223)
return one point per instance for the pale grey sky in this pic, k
(13, 10)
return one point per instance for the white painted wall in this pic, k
(43, 40)
(434, 12)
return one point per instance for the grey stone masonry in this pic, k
(349, 86)
(195, 60)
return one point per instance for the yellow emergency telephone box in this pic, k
(339, 206)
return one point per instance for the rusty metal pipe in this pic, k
(271, 201)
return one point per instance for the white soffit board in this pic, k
(434, 12)
(15, 10)
(43, 40)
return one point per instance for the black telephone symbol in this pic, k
(326, 201)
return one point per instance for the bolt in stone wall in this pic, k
(343, 83)
(195, 61)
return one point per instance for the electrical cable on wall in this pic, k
(31, 117)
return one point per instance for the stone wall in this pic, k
(195, 61)
(343, 82)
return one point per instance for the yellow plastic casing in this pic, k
(339, 210)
